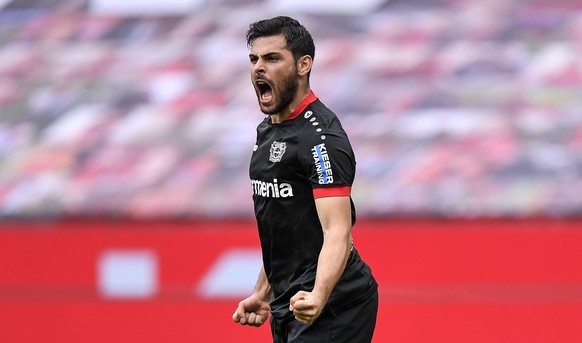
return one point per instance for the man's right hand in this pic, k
(252, 311)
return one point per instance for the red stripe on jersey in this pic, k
(308, 100)
(336, 191)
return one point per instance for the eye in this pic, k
(273, 58)
(253, 59)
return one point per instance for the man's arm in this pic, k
(254, 310)
(335, 217)
(263, 288)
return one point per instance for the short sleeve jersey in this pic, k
(305, 157)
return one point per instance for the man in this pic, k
(313, 281)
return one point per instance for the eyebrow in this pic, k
(268, 54)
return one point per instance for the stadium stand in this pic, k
(454, 108)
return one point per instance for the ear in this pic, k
(304, 64)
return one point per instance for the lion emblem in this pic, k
(277, 151)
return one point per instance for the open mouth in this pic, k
(265, 91)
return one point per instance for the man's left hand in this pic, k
(306, 306)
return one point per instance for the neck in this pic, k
(302, 93)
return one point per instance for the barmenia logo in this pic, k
(272, 189)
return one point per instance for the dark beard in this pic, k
(286, 92)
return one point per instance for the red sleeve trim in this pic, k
(303, 105)
(337, 191)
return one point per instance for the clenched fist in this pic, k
(252, 311)
(306, 307)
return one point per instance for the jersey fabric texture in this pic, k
(305, 157)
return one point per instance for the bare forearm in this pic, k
(263, 288)
(332, 261)
(335, 216)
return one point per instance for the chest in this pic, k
(276, 154)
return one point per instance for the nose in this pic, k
(259, 67)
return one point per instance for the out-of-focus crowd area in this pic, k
(454, 108)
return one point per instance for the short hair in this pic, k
(299, 40)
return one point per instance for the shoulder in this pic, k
(263, 125)
(320, 112)
(321, 131)
(317, 120)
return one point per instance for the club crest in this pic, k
(277, 151)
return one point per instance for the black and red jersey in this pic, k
(305, 157)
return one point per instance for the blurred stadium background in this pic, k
(126, 128)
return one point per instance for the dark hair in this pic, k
(299, 40)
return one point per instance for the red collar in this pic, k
(308, 100)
